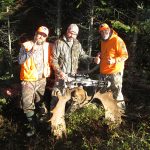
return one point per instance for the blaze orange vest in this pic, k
(28, 69)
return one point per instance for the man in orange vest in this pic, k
(35, 61)
(112, 60)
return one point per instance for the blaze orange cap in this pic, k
(103, 26)
(43, 29)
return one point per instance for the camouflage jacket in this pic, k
(66, 58)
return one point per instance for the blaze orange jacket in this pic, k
(28, 69)
(114, 48)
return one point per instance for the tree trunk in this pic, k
(90, 37)
(9, 46)
(58, 32)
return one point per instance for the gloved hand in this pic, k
(111, 61)
(97, 58)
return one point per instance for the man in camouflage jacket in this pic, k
(66, 54)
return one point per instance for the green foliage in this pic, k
(126, 139)
(5, 3)
(135, 29)
(100, 11)
(121, 26)
(1, 52)
(83, 116)
(2, 101)
(6, 77)
(104, 2)
(145, 26)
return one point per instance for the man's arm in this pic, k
(122, 51)
(55, 62)
(24, 55)
(26, 51)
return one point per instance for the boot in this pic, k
(31, 124)
(42, 113)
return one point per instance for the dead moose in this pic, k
(79, 96)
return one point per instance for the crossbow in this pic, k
(85, 81)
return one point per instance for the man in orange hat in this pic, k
(112, 60)
(35, 61)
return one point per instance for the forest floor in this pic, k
(137, 120)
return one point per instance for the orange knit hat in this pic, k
(104, 26)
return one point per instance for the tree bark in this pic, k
(58, 31)
(9, 45)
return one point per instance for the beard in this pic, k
(40, 42)
(70, 39)
(106, 37)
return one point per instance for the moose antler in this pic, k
(58, 125)
(112, 111)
